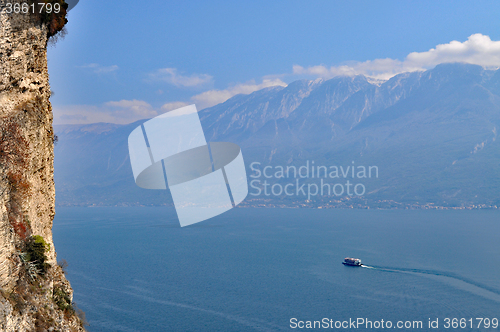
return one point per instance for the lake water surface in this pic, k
(135, 269)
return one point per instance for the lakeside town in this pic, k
(356, 203)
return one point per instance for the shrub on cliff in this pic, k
(45, 13)
(36, 249)
(62, 299)
(55, 21)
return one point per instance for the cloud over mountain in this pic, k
(214, 97)
(478, 49)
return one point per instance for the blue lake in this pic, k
(135, 269)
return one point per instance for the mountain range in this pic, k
(432, 136)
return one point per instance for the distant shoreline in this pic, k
(377, 205)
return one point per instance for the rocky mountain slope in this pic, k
(432, 135)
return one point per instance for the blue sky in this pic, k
(126, 60)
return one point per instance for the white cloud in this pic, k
(121, 112)
(98, 69)
(133, 107)
(477, 49)
(214, 97)
(171, 76)
(174, 105)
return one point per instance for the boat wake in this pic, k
(450, 279)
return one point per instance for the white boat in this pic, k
(352, 261)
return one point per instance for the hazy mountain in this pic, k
(92, 167)
(433, 136)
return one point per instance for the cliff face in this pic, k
(35, 296)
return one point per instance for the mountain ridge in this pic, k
(427, 131)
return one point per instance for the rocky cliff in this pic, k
(35, 295)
